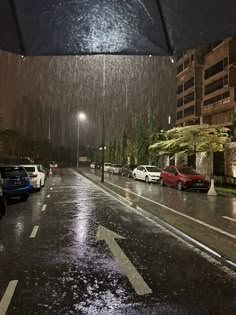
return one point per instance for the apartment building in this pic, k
(206, 85)
(219, 84)
(189, 87)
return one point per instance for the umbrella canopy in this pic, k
(130, 27)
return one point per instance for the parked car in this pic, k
(127, 170)
(16, 182)
(37, 176)
(107, 167)
(116, 169)
(3, 204)
(93, 165)
(183, 177)
(3, 207)
(148, 173)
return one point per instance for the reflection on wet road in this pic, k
(90, 254)
(200, 206)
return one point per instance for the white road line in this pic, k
(228, 218)
(147, 215)
(231, 263)
(44, 207)
(51, 188)
(5, 302)
(179, 213)
(48, 196)
(34, 232)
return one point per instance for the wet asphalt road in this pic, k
(63, 269)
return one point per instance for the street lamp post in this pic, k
(81, 117)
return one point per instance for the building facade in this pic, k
(206, 85)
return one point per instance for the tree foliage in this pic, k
(192, 139)
(141, 142)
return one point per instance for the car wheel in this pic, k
(179, 185)
(162, 182)
(147, 179)
(135, 177)
(24, 197)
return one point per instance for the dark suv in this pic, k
(15, 182)
(3, 204)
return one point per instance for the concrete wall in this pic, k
(181, 159)
(204, 163)
(230, 159)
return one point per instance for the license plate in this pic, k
(18, 183)
(199, 184)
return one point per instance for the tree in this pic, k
(192, 139)
(110, 154)
(141, 142)
(113, 160)
(153, 131)
(118, 153)
(124, 148)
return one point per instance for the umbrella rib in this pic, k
(18, 28)
(164, 26)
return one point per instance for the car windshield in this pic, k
(107, 164)
(152, 169)
(11, 172)
(187, 171)
(117, 165)
(30, 169)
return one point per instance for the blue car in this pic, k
(15, 182)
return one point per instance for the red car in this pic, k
(183, 177)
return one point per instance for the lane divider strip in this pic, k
(228, 218)
(44, 207)
(5, 302)
(177, 212)
(34, 232)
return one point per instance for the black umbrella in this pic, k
(69, 27)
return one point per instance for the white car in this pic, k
(37, 176)
(148, 173)
(116, 168)
(93, 165)
(107, 167)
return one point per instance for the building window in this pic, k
(214, 86)
(179, 115)
(180, 68)
(189, 111)
(189, 98)
(180, 102)
(188, 84)
(180, 89)
(221, 98)
(216, 68)
(186, 63)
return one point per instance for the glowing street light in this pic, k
(81, 117)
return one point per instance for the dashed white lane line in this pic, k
(48, 196)
(44, 207)
(34, 232)
(5, 302)
(53, 184)
(51, 188)
(228, 218)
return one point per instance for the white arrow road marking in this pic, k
(7, 296)
(34, 232)
(228, 218)
(138, 283)
(44, 207)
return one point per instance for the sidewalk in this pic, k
(219, 245)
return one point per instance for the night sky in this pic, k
(39, 92)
